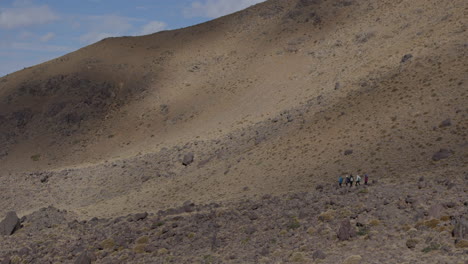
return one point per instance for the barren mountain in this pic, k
(265, 106)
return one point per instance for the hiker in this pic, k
(351, 180)
(366, 179)
(358, 180)
(340, 180)
(347, 180)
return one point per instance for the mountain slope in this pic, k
(276, 98)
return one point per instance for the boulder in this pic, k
(445, 123)
(188, 159)
(346, 231)
(10, 224)
(83, 259)
(442, 154)
(348, 152)
(318, 254)
(406, 58)
(140, 216)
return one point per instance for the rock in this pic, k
(435, 211)
(406, 58)
(140, 216)
(461, 228)
(346, 231)
(83, 259)
(6, 260)
(188, 159)
(445, 123)
(442, 154)
(411, 243)
(450, 204)
(318, 254)
(348, 152)
(337, 86)
(250, 230)
(356, 259)
(10, 224)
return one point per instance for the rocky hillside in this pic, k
(422, 221)
(271, 101)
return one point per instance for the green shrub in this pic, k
(36, 157)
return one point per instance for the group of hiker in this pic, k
(349, 180)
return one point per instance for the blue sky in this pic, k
(34, 31)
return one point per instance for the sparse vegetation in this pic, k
(36, 157)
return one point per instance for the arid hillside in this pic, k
(276, 98)
(231, 135)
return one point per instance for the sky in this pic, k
(35, 31)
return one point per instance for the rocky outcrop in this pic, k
(10, 224)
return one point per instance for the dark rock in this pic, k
(253, 216)
(442, 154)
(250, 230)
(188, 159)
(140, 216)
(6, 260)
(348, 152)
(337, 86)
(406, 58)
(83, 259)
(411, 243)
(10, 224)
(445, 123)
(450, 204)
(346, 231)
(461, 228)
(318, 254)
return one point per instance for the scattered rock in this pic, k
(140, 216)
(406, 58)
(318, 254)
(445, 123)
(442, 154)
(411, 243)
(346, 231)
(356, 259)
(83, 259)
(10, 224)
(188, 159)
(337, 86)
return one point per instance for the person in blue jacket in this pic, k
(340, 180)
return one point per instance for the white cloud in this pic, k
(217, 8)
(106, 26)
(153, 27)
(47, 37)
(24, 16)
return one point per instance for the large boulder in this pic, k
(346, 231)
(10, 224)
